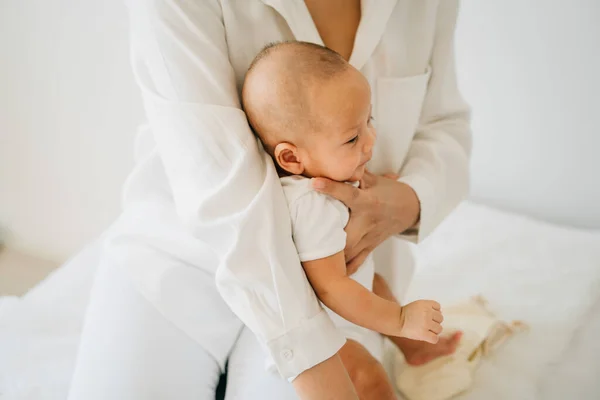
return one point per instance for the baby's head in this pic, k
(311, 110)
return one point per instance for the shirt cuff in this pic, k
(311, 343)
(426, 195)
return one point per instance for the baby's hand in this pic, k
(420, 320)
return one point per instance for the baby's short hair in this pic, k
(278, 105)
(327, 63)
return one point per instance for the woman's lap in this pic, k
(130, 351)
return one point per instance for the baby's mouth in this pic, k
(366, 161)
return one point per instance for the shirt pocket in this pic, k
(398, 108)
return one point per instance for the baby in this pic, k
(312, 112)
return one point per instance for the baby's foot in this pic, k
(419, 353)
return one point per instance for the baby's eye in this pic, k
(371, 119)
(353, 140)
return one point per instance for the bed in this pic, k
(543, 274)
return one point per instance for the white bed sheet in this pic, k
(548, 276)
(528, 270)
(576, 375)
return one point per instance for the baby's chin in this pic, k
(355, 176)
(358, 174)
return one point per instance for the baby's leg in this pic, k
(367, 374)
(416, 352)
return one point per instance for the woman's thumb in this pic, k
(391, 176)
(344, 192)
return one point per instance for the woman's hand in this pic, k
(381, 207)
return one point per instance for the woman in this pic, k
(204, 205)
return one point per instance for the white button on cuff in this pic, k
(287, 354)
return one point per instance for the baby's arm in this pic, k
(354, 302)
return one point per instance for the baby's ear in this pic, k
(287, 157)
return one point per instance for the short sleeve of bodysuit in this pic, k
(318, 220)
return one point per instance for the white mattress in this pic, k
(546, 275)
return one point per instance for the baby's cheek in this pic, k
(337, 169)
(350, 170)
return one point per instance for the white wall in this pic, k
(69, 107)
(531, 71)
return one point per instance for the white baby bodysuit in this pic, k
(318, 222)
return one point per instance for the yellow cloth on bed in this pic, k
(448, 376)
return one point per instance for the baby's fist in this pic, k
(420, 320)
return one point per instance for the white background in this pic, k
(69, 108)
(68, 113)
(531, 70)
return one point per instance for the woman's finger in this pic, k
(354, 263)
(367, 180)
(392, 176)
(345, 193)
(354, 235)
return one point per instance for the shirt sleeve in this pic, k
(225, 189)
(437, 164)
(318, 226)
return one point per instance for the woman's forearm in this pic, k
(223, 186)
(437, 163)
(357, 304)
(325, 381)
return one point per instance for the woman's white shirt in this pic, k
(190, 57)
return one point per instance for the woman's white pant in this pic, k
(129, 351)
